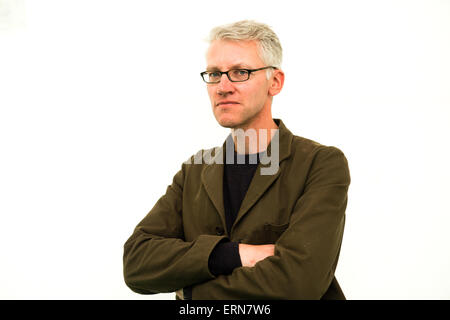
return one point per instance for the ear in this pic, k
(277, 82)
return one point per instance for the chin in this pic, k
(227, 124)
(227, 121)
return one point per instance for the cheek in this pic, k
(254, 94)
(212, 89)
(210, 93)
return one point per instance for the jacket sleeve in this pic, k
(306, 253)
(156, 258)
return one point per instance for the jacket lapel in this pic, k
(260, 183)
(212, 175)
(212, 179)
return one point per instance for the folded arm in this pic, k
(306, 254)
(156, 257)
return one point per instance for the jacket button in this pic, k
(219, 231)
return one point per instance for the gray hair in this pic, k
(270, 50)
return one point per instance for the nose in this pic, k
(225, 86)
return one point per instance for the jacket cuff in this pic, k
(224, 258)
(207, 243)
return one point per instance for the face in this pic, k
(239, 104)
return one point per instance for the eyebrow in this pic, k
(235, 66)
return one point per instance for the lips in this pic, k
(226, 103)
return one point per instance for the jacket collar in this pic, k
(212, 174)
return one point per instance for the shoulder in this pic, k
(205, 157)
(197, 162)
(311, 156)
(302, 147)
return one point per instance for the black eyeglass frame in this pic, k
(202, 74)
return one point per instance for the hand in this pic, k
(251, 254)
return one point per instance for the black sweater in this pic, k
(236, 180)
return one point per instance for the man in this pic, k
(227, 229)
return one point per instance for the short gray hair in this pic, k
(270, 50)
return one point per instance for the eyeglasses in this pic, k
(234, 75)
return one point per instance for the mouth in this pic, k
(226, 103)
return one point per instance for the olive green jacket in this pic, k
(300, 209)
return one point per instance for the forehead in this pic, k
(225, 54)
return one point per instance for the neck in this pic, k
(254, 138)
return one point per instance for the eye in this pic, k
(214, 74)
(239, 75)
(239, 72)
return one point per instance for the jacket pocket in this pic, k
(277, 228)
(274, 231)
(268, 234)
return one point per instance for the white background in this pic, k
(101, 102)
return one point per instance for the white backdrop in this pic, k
(93, 128)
